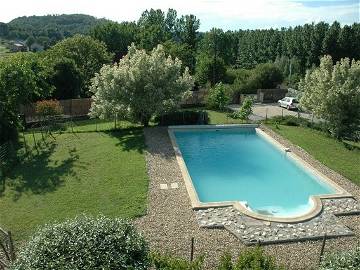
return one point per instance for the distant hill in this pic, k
(47, 30)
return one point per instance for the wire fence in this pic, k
(7, 158)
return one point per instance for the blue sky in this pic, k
(226, 14)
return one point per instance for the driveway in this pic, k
(261, 111)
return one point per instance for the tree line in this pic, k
(47, 30)
(247, 60)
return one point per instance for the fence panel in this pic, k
(71, 107)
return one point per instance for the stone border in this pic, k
(315, 200)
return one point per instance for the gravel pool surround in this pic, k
(170, 222)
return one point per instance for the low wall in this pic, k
(196, 98)
(270, 95)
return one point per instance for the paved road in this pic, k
(260, 111)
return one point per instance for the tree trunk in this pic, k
(145, 121)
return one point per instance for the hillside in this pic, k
(47, 30)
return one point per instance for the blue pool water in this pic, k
(239, 165)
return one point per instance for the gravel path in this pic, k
(170, 222)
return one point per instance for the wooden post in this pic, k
(282, 113)
(25, 145)
(11, 247)
(266, 116)
(96, 124)
(115, 119)
(192, 249)
(322, 248)
(35, 141)
(71, 121)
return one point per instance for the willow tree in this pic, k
(141, 85)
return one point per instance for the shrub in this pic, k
(46, 108)
(183, 118)
(342, 260)
(290, 120)
(251, 259)
(85, 243)
(263, 76)
(245, 110)
(167, 262)
(218, 97)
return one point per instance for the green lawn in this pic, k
(88, 172)
(329, 151)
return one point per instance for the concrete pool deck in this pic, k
(170, 221)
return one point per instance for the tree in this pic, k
(188, 27)
(23, 79)
(265, 76)
(88, 54)
(153, 29)
(116, 36)
(139, 86)
(217, 44)
(4, 29)
(218, 97)
(330, 41)
(181, 51)
(210, 69)
(66, 78)
(332, 92)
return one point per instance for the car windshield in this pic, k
(295, 101)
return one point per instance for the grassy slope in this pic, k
(327, 150)
(94, 172)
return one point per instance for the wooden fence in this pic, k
(71, 107)
(81, 107)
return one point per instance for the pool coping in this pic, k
(197, 204)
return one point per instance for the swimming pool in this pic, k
(243, 166)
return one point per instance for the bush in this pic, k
(342, 260)
(263, 76)
(245, 110)
(251, 259)
(167, 262)
(183, 118)
(85, 243)
(290, 120)
(46, 108)
(218, 97)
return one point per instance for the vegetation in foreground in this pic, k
(73, 173)
(337, 155)
(104, 243)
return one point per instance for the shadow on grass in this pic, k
(129, 139)
(38, 174)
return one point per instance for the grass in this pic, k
(335, 154)
(88, 167)
(88, 172)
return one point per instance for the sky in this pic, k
(225, 14)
